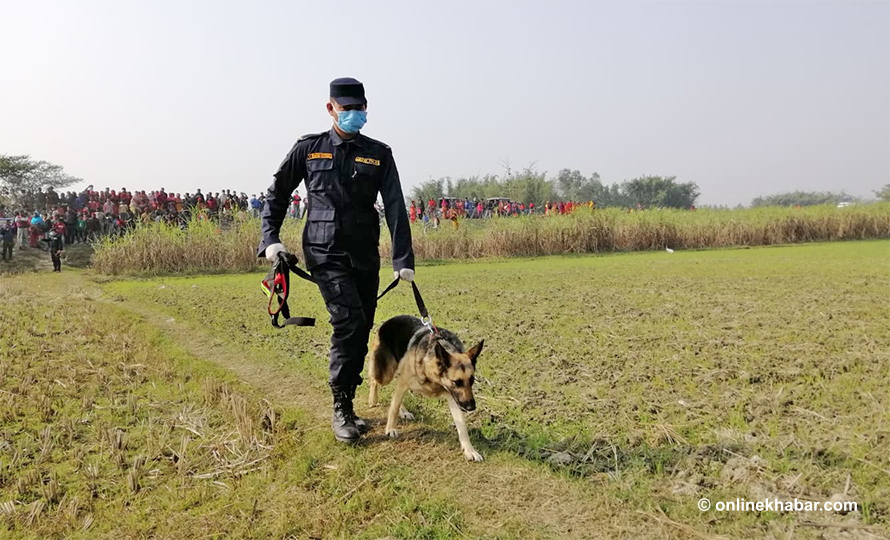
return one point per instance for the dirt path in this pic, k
(36, 260)
(527, 498)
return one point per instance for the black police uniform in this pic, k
(342, 231)
(56, 245)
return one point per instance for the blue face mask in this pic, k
(351, 121)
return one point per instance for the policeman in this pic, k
(56, 247)
(344, 171)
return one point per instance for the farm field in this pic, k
(615, 391)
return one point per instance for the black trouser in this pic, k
(57, 260)
(351, 298)
(7, 251)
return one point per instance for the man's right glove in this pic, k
(272, 252)
(405, 274)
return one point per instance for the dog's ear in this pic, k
(439, 350)
(443, 357)
(474, 352)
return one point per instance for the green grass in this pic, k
(615, 391)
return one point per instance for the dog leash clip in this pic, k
(428, 322)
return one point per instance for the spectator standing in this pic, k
(295, 206)
(35, 230)
(81, 228)
(70, 225)
(7, 239)
(22, 224)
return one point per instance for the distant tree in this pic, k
(572, 185)
(614, 195)
(531, 186)
(476, 188)
(19, 174)
(884, 193)
(681, 195)
(569, 183)
(431, 189)
(654, 191)
(801, 198)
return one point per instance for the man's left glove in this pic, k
(272, 252)
(406, 274)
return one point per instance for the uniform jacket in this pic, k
(343, 178)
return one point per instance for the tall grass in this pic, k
(611, 230)
(203, 248)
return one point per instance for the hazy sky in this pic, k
(742, 98)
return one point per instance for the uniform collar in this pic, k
(337, 140)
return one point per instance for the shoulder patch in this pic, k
(311, 136)
(375, 141)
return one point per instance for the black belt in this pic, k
(277, 285)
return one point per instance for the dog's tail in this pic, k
(382, 367)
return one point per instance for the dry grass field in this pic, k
(615, 391)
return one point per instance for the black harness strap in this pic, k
(277, 285)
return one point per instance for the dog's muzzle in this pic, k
(467, 406)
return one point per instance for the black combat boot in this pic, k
(362, 426)
(343, 422)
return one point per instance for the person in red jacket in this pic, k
(295, 205)
(22, 224)
(59, 226)
(161, 198)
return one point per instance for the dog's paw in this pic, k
(472, 455)
(392, 434)
(405, 414)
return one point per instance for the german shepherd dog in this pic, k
(430, 365)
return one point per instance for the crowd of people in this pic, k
(453, 208)
(155, 205)
(49, 218)
(450, 208)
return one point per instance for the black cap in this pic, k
(348, 91)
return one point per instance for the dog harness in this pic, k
(276, 284)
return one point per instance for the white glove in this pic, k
(405, 273)
(272, 251)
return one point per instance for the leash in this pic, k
(421, 307)
(277, 285)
